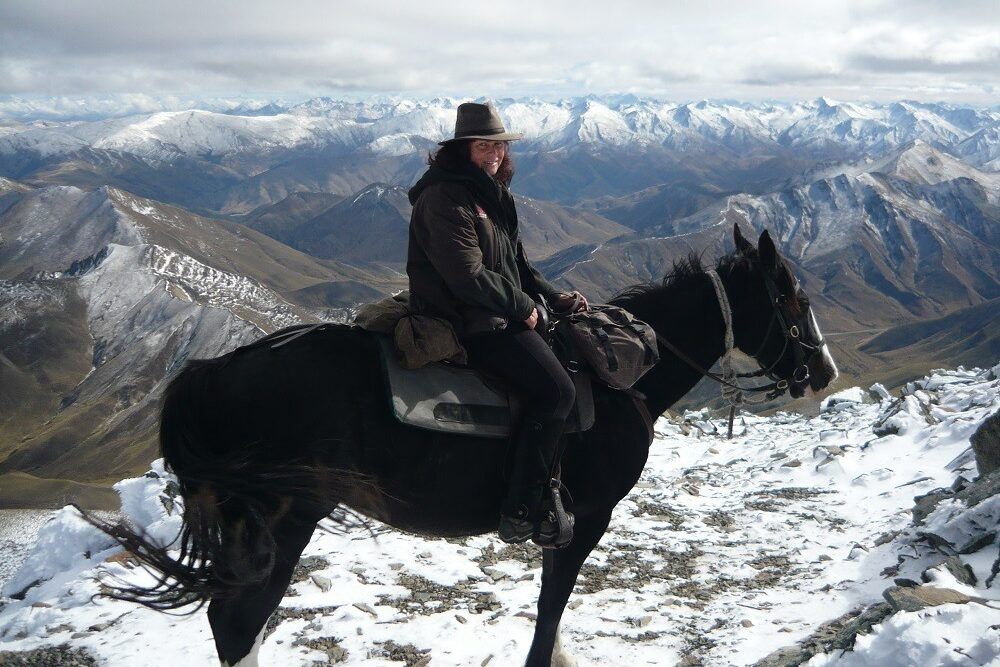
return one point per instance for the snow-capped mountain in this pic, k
(573, 150)
(103, 294)
(401, 127)
(912, 234)
(863, 536)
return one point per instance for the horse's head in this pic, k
(775, 323)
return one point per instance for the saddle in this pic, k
(451, 398)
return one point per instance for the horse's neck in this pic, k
(689, 317)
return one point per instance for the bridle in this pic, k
(803, 351)
(731, 391)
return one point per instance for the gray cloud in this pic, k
(772, 48)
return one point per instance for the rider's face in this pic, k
(487, 155)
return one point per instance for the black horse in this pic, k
(267, 442)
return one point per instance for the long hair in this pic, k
(454, 156)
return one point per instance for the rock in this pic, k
(50, 656)
(824, 557)
(924, 505)
(495, 574)
(937, 541)
(915, 599)
(335, 653)
(461, 619)
(963, 573)
(986, 444)
(885, 538)
(784, 657)
(903, 582)
(986, 486)
(323, 583)
(690, 661)
(366, 608)
(838, 634)
(827, 451)
(977, 543)
(575, 603)
(794, 463)
(879, 393)
(746, 623)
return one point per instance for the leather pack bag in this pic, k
(617, 347)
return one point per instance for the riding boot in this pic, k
(524, 514)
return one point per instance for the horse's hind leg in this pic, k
(238, 620)
(560, 568)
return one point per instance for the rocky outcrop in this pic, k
(986, 444)
(838, 634)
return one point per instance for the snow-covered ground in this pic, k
(18, 529)
(725, 551)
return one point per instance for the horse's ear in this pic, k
(742, 245)
(766, 250)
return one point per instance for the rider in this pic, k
(466, 264)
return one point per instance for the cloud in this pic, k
(770, 48)
(913, 50)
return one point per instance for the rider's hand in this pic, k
(532, 319)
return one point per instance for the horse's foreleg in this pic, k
(238, 620)
(560, 568)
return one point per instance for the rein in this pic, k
(731, 391)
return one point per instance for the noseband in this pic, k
(731, 391)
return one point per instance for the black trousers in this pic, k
(518, 355)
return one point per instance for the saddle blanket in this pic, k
(452, 399)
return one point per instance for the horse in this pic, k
(267, 442)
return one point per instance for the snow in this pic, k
(391, 127)
(726, 550)
(851, 395)
(64, 543)
(909, 639)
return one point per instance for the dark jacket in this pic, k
(465, 262)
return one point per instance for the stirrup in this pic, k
(555, 529)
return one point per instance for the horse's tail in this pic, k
(232, 501)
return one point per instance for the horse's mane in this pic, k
(684, 272)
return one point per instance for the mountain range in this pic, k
(130, 244)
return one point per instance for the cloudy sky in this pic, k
(846, 49)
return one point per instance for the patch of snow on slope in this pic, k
(213, 287)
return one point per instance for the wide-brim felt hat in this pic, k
(480, 121)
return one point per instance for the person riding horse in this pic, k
(467, 265)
